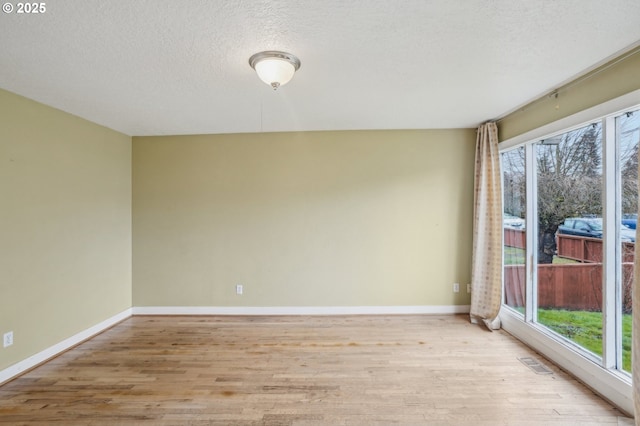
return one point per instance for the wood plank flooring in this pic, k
(300, 370)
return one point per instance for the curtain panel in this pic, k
(486, 269)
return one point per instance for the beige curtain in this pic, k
(486, 262)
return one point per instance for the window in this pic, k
(627, 131)
(570, 213)
(514, 204)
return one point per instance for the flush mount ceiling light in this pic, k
(274, 67)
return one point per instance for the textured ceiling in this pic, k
(156, 67)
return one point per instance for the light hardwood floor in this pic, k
(300, 370)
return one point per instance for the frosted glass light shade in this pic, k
(275, 71)
(275, 68)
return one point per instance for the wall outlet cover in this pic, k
(7, 339)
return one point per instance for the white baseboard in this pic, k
(42, 356)
(299, 310)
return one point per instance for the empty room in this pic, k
(319, 213)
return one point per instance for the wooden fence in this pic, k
(565, 286)
(582, 249)
(514, 238)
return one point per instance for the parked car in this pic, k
(630, 220)
(512, 221)
(592, 227)
(627, 234)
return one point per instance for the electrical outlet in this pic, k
(456, 287)
(7, 339)
(239, 289)
(468, 288)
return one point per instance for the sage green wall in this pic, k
(360, 218)
(65, 225)
(612, 80)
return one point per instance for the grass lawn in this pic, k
(585, 329)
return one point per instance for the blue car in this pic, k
(630, 220)
(592, 227)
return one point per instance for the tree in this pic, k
(514, 179)
(630, 179)
(569, 183)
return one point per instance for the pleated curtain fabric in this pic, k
(486, 261)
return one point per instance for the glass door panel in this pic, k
(627, 136)
(569, 185)
(514, 204)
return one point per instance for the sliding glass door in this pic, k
(570, 214)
